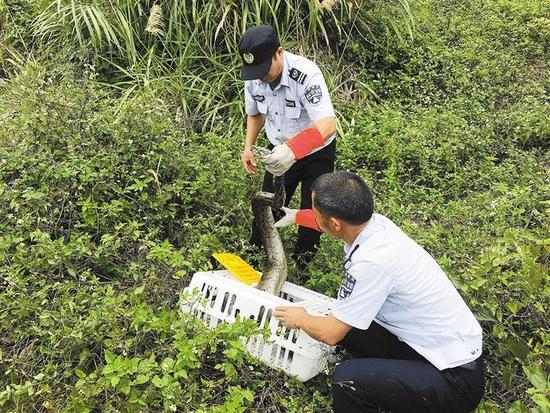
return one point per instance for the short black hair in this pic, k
(343, 195)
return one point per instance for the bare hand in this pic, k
(292, 317)
(249, 161)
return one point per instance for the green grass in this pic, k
(120, 175)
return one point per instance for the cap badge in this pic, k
(248, 57)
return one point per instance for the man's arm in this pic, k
(317, 103)
(326, 126)
(254, 124)
(326, 329)
(304, 142)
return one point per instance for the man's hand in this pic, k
(279, 160)
(292, 317)
(327, 329)
(249, 161)
(288, 219)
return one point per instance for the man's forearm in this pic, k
(308, 140)
(254, 125)
(298, 147)
(315, 326)
(327, 329)
(326, 126)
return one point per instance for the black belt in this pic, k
(472, 365)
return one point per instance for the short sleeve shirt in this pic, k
(393, 281)
(300, 99)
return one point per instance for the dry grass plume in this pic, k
(155, 24)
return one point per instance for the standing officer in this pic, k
(416, 344)
(286, 94)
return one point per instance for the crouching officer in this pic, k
(286, 95)
(415, 344)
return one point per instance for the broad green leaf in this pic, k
(518, 407)
(115, 380)
(109, 357)
(536, 376)
(507, 376)
(157, 381)
(518, 347)
(541, 401)
(125, 388)
(141, 378)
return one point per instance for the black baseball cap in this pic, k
(257, 47)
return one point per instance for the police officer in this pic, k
(286, 95)
(415, 344)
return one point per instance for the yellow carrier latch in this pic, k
(237, 267)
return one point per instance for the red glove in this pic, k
(305, 142)
(306, 218)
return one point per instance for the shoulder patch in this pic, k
(313, 94)
(259, 98)
(347, 286)
(297, 75)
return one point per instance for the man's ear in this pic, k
(336, 223)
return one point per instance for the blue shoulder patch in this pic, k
(314, 94)
(347, 286)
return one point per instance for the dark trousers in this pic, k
(304, 171)
(388, 375)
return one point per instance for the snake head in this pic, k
(260, 151)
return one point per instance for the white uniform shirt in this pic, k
(300, 98)
(392, 280)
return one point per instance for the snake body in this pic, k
(275, 271)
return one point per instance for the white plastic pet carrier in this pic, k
(222, 298)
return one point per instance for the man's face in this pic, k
(326, 224)
(276, 67)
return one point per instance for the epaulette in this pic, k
(297, 75)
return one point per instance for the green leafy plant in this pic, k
(120, 136)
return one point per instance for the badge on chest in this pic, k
(290, 103)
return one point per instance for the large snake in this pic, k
(275, 271)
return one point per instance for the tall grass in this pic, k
(189, 47)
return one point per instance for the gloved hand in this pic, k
(279, 160)
(288, 219)
(284, 156)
